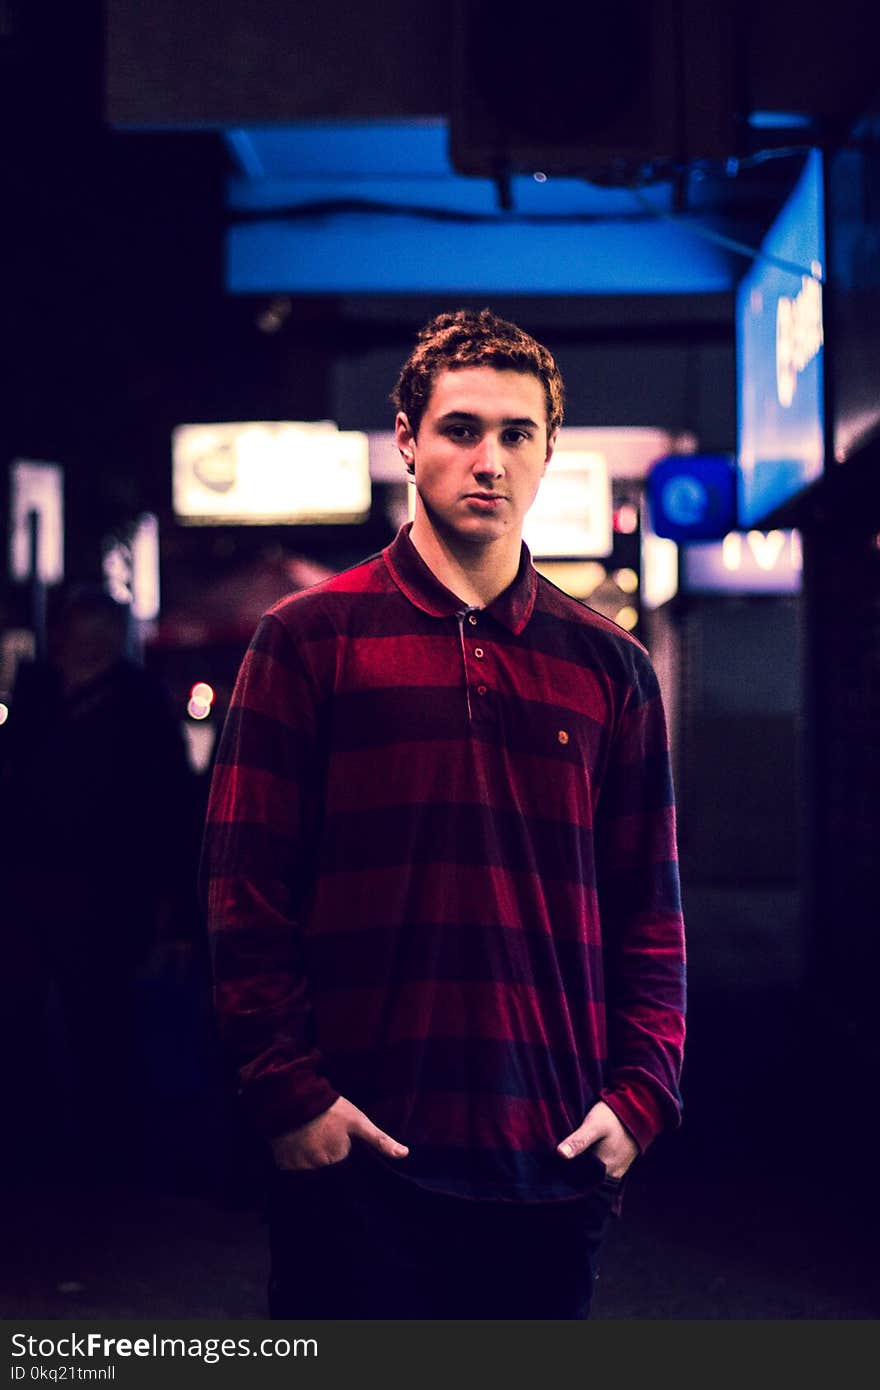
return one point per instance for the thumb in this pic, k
(378, 1139)
(580, 1139)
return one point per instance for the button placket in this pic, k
(477, 653)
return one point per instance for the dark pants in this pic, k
(355, 1241)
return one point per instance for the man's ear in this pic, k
(405, 440)
(551, 445)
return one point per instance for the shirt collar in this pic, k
(512, 608)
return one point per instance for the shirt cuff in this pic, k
(279, 1103)
(639, 1111)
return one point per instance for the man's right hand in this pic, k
(327, 1138)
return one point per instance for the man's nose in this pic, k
(488, 459)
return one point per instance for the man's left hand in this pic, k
(603, 1132)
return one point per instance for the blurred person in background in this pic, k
(440, 879)
(100, 845)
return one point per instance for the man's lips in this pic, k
(484, 497)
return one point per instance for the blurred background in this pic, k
(224, 226)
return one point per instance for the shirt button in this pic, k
(481, 689)
(472, 620)
(478, 651)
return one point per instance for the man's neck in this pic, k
(477, 574)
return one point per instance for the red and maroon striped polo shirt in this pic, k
(440, 874)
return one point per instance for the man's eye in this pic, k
(460, 432)
(515, 436)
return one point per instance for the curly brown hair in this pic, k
(474, 338)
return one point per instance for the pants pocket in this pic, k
(312, 1219)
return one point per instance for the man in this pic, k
(98, 863)
(441, 886)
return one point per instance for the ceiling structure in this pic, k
(378, 207)
(400, 147)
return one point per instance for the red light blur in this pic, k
(626, 519)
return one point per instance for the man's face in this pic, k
(480, 453)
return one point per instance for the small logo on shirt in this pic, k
(563, 736)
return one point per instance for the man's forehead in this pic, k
(488, 390)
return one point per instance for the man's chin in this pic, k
(481, 531)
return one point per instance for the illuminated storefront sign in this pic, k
(753, 562)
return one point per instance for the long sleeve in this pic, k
(261, 825)
(641, 916)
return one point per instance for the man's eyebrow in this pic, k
(523, 421)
